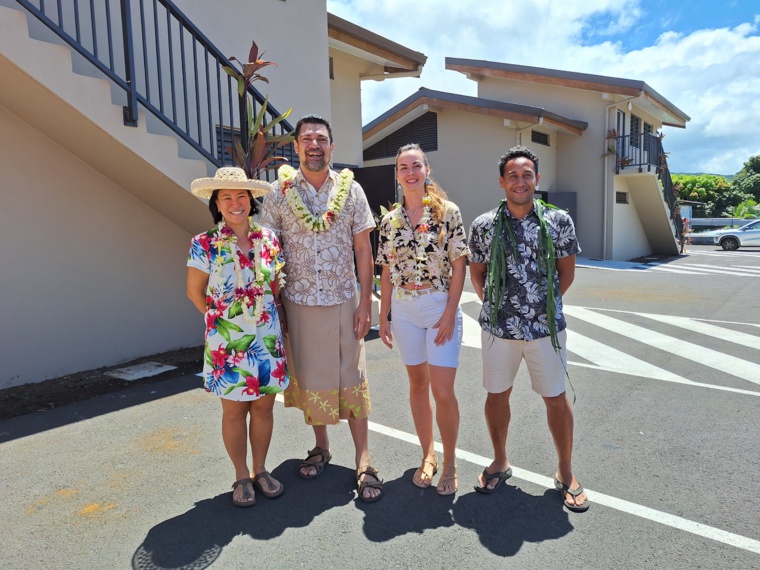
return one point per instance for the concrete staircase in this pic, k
(76, 111)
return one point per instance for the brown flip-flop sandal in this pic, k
(246, 494)
(260, 488)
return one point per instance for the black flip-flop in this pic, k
(500, 475)
(562, 488)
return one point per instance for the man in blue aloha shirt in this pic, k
(522, 262)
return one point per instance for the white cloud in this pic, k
(710, 74)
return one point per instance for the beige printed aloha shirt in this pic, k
(319, 265)
(437, 268)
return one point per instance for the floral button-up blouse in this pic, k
(401, 255)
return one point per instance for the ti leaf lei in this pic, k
(287, 176)
(498, 266)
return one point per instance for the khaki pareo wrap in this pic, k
(327, 364)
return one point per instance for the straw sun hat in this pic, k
(229, 178)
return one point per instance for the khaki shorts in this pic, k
(502, 357)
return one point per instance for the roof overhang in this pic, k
(647, 98)
(395, 59)
(429, 100)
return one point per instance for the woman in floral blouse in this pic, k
(233, 278)
(423, 249)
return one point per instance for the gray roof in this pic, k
(588, 81)
(364, 35)
(443, 97)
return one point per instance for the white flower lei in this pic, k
(249, 296)
(287, 176)
(420, 253)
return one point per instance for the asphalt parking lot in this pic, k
(663, 365)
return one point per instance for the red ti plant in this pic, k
(258, 155)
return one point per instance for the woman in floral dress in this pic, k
(423, 250)
(233, 278)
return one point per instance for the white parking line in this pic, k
(673, 521)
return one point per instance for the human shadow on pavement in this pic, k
(196, 538)
(405, 509)
(505, 520)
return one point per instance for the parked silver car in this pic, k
(738, 237)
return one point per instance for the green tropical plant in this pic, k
(258, 153)
(749, 209)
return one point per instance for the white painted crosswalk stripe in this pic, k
(736, 337)
(604, 357)
(702, 355)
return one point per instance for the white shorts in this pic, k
(413, 318)
(547, 368)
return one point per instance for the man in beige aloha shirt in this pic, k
(323, 219)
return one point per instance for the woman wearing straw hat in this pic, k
(233, 278)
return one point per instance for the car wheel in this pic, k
(730, 244)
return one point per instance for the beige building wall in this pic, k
(82, 257)
(580, 167)
(292, 33)
(346, 105)
(629, 239)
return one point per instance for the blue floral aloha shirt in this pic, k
(522, 315)
(242, 360)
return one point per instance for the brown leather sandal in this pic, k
(362, 485)
(246, 494)
(426, 483)
(318, 465)
(267, 476)
(447, 476)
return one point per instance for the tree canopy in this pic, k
(717, 196)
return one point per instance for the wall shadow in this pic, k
(36, 422)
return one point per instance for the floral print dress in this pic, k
(243, 360)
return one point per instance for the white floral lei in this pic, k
(252, 297)
(420, 254)
(287, 176)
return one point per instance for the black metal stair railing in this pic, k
(164, 63)
(645, 151)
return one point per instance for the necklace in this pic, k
(498, 270)
(249, 297)
(420, 253)
(287, 176)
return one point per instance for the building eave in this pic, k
(395, 59)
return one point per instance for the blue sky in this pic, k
(703, 56)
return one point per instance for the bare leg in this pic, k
(322, 440)
(498, 414)
(422, 414)
(235, 436)
(560, 417)
(359, 433)
(260, 434)
(447, 417)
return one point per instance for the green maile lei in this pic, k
(498, 266)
